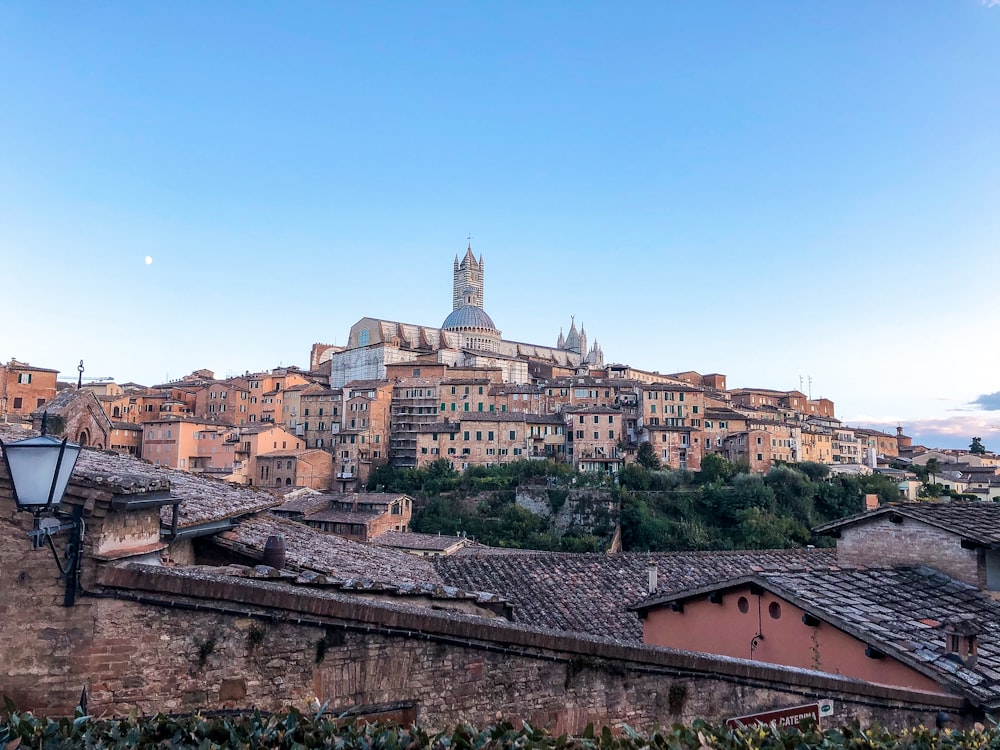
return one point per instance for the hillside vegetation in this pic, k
(720, 507)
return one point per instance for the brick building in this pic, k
(24, 388)
(309, 467)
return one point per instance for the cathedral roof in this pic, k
(573, 338)
(468, 316)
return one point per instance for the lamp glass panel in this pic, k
(32, 464)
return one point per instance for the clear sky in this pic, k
(767, 190)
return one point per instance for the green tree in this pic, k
(646, 457)
(933, 467)
(715, 468)
(977, 446)
(816, 472)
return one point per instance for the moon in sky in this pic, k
(148, 260)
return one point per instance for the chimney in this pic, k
(274, 551)
(871, 502)
(961, 635)
(651, 569)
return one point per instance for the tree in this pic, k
(933, 466)
(646, 457)
(715, 468)
(977, 446)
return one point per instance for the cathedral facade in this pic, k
(467, 338)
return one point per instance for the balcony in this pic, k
(345, 475)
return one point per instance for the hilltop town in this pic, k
(216, 547)
(408, 395)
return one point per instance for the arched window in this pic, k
(363, 336)
(288, 482)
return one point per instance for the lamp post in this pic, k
(40, 468)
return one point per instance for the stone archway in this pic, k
(83, 438)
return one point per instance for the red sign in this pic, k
(783, 718)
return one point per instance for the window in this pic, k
(611, 434)
(363, 337)
(479, 435)
(489, 435)
(596, 436)
(17, 402)
(24, 377)
(511, 435)
(466, 435)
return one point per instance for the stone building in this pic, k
(77, 416)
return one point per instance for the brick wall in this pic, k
(881, 542)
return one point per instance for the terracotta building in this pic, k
(24, 388)
(595, 437)
(309, 467)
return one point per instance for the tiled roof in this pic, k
(328, 515)
(976, 521)
(591, 593)
(307, 548)
(413, 540)
(902, 612)
(205, 499)
(304, 503)
(358, 385)
(202, 499)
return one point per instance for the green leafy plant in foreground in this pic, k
(294, 729)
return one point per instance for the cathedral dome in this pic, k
(468, 316)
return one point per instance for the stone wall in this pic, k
(587, 511)
(881, 542)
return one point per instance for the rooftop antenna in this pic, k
(810, 387)
(800, 382)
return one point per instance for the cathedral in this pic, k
(467, 338)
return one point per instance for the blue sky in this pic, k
(767, 190)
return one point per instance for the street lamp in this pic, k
(39, 469)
